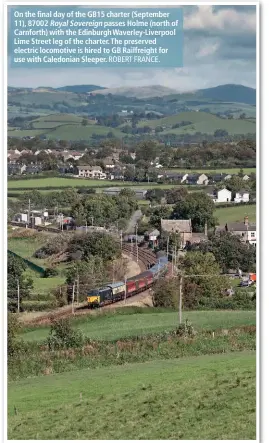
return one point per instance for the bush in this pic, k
(165, 294)
(50, 272)
(62, 336)
(37, 305)
(13, 328)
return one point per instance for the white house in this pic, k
(91, 172)
(222, 196)
(241, 197)
(246, 177)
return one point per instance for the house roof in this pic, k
(90, 168)
(217, 177)
(242, 191)
(176, 225)
(193, 176)
(223, 189)
(237, 227)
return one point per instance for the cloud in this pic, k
(206, 50)
(207, 19)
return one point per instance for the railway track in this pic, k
(146, 259)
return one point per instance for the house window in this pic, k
(242, 234)
(252, 234)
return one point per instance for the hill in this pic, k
(201, 122)
(139, 92)
(231, 93)
(80, 89)
(63, 126)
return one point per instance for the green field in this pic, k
(58, 182)
(118, 326)
(235, 214)
(212, 171)
(201, 122)
(199, 398)
(25, 247)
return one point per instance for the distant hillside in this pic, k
(200, 122)
(80, 89)
(230, 93)
(139, 92)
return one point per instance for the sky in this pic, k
(219, 48)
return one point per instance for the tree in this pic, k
(220, 133)
(95, 244)
(157, 214)
(198, 207)
(165, 293)
(155, 195)
(236, 183)
(204, 271)
(231, 253)
(176, 195)
(13, 329)
(146, 151)
(242, 116)
(84, 122)
(16, 278)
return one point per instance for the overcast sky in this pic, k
(219, 48)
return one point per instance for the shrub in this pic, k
(50, 272)
(62, 336)
(13, 329)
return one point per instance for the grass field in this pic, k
(25, 247)
(235, 214)
(119, 326)
(59, 182)
(199, 398)
(201, 122)
(213, 171)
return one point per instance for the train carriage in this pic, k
(139, 283)
(118, 291)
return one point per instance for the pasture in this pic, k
(114, 327)
(235, 214)
(199, 398)
(201, 122)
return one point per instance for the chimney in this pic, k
(206, 229)
(246, 221)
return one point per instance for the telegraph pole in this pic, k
(136, 243)
(29, 212)
(77, 287)
(125, 290)
(73, 298)
(180, 299)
